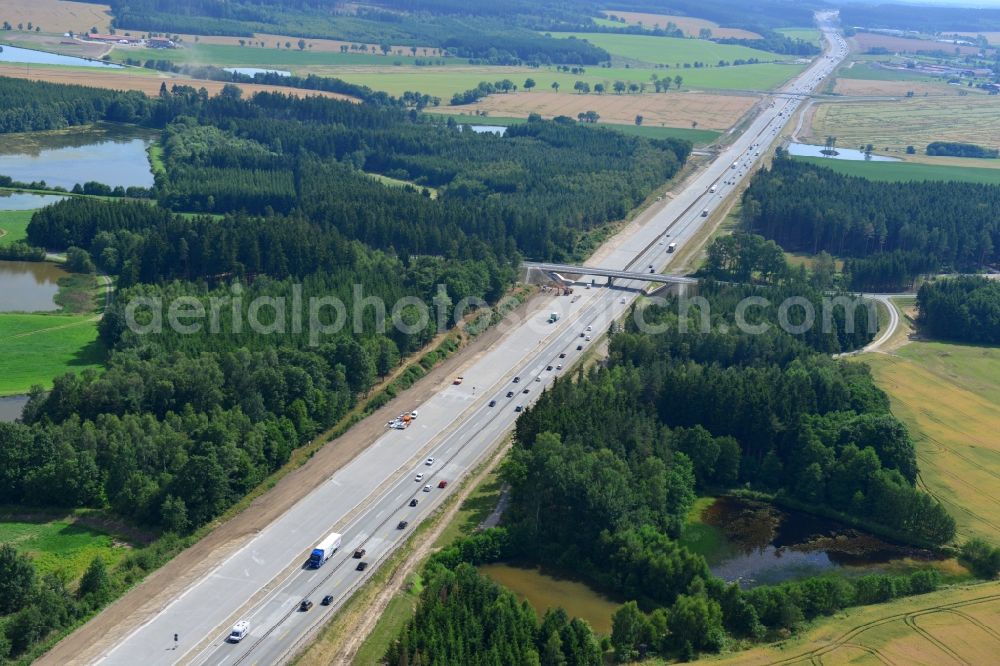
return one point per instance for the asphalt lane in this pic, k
(264, 581)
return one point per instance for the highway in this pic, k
(264, 581)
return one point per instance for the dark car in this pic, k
(519, 408)
(402, 525)
(517, 379)
(493, 403)
(579, 347)
(563, 355)
(548, 367)
(413, 502)
(362, 566)
(524, 391)
(442, 484)
(510, 394)
(305, 605)
(359, 553)
(327, 600)
(582, 334)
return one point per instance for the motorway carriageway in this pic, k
(264, 580)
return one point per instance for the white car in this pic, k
(418, 478)
(239, 632)
(429, 461)
(588, 338)
(427, 489)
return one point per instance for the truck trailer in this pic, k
(322, 552)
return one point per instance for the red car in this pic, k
(442, 484)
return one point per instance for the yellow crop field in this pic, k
(56, 15)
(949, 397)
(691, 26)
(953, 626)
(717, 112)
(915, 121)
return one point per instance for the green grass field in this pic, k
(673, 51)
(35, 348)
(867, 71)
(907, 171)
(444, 82)
(224, 55)
(13, 225)
(811, 35)
(59, 545)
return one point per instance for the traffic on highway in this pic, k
(266, 599)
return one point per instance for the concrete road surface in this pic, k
(265, 581)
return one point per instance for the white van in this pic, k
(239, 632)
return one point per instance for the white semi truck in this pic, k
(324, 550)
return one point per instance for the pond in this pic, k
(30, 56)
(764, 545)
(808, 150)
(26, 200)
(111, 154)
(29, 286)
(543, 592)
(492, 129)
(11, 407)
(252, 71)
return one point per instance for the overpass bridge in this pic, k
(610, 273)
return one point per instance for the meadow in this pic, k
(953, 625)
(443, 82)
(267, 56)
(35, 348)
(673, 51)
(811, 35)
(948, 395)
(916, 121)
(908, 171)
(13, 225)
(60, 544)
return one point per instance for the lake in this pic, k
(29, 286)
(252, 71)
(765, 545)
(11, 407)
(32, 57)
(111, 154)
(543, 592)
(26, 200)
(809, 150)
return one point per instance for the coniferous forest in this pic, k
(888, 232)
(965, 309)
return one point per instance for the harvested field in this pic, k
(691, 26)
(718, 112)
(992, 37)
(872, 88)
(950, 626)
(673, 51)
(147, 83)
(916, 121)
(867, 40)
(57, 15)
(313, 45)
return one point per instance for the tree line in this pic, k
(891, 232)
(965, 309)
